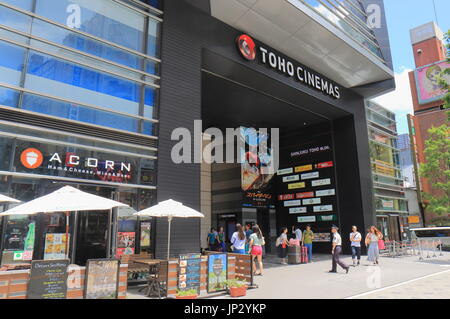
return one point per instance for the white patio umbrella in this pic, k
(66, 199)
(6, 199)
(170, 209)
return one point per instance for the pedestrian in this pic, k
(298, 233)
(307, 240)
(355, 239)
(336, 251)
(372, 238)
(282, 244)
(212, 239)
(255, 244)
(238, 240)
(221, 238)
(248, 232)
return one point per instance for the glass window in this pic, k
(8, 97)
(102, 18)
(75, 112)
(5, 154)
(14, 19)
(11, 63)
(82, 43)
(23, 4)
(19, 239)
(77, 83)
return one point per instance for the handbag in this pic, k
(381, 244)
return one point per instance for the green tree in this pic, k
(447, 72)
(436, 170)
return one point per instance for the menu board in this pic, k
(189, 272)
(55, 246)
(217, 272)
(48, 279)
(102, 279)
(145, 234)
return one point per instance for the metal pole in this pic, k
(420, 250)
(169, 218)
(74, 238)
(440, 248)
(67, 235)
(108, 235)
(434, 249)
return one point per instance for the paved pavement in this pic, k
(312, 281)
(403, 277)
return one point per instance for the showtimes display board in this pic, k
(305, 183)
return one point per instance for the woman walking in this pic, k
(282, 244)
(372, 238)
(239, 240)
(255, 244)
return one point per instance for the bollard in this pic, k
(434, 249)
(440, 248)
(420, 250)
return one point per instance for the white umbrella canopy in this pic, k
(65, 199)
(6, 199)
(170, 209)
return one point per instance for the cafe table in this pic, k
(153, 284)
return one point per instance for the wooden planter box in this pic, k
(187, 297)
(238, 292)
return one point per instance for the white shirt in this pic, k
(357, 236)
(298, 234)
(238, 243)
(337, 239)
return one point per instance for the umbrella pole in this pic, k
(67, 234)
(169, 218)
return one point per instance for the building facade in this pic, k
(391, 205)
(430, 56)
(91, 92)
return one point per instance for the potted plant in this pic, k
(236, 288)
(187, 294)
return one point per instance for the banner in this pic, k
(217, 272)
(427, 82)
(125, 243)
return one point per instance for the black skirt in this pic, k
(282, 252)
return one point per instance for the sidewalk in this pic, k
(312, 281)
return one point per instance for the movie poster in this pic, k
(255, 183)
(125, 243)
(427, 81)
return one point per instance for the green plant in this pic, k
(234, 283)
(189, 292)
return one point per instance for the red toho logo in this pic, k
(247, 47)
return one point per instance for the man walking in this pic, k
(336, 251)
(355, 238)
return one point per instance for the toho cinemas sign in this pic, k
(250, 51)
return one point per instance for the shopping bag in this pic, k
(381, 244)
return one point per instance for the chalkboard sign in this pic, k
(48, 279)
(189, 272)
(102, 279)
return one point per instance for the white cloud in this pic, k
(400, 100)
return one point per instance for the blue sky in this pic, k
(403, 15)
